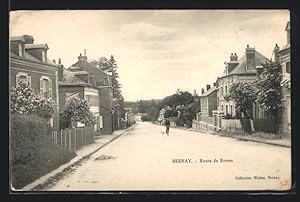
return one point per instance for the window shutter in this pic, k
(50, 88)
(41, 86)
(283, 68)
(17, 79)
(29, 80)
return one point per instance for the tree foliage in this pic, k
(269, 96)
(24, 100)
(78, 110)
(244, 95)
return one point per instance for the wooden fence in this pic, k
(73, 138)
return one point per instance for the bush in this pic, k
(228, 116)
(265, 125)
(32, 152)
(246, 125)
(179, 122)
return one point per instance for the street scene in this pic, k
(144, 159)
(150, 100)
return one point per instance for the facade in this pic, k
(29, 61)
(247, 68)
(85, 71)
(285, 60)
(70, 86)
(207, 104)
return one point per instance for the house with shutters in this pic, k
(29, 61)
(101, 81)
(72, 86)
(245, 69)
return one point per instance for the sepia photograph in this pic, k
(150, 100)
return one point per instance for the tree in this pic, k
(244, 95)
(24, 100)
(78, 110)
(269, 96)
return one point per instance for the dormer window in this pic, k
(20, 50)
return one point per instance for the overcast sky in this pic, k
(157, 51)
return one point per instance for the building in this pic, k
(245, 69)
(29, 61)
(207, 104)
(285, 60)
(71, 86)
(103, 82)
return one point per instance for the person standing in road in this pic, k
(167, 123)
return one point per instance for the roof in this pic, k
(17, 38)
(32, 46)
(86, 66)
(69, 78)
(240, 69)
(80, 72)
(211, 90)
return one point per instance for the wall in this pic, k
(231, 125)
(212, 103)
(35, 71)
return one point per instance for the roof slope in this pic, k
(70, 79)
(211, 90)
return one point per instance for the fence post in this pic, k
(65, 142)
(230, 128)
(75, 139)
(61, 133)
(56, 137)
(70, 139)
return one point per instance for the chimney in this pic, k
(232, 63)
(84, 57)
(207, 87)
(202, 91)
(259, 70)
(28, 39)
(214, 84)
(250, 58)
(38, 51)
(17, 45)
(60, 70)
(276, 53)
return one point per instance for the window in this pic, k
(231, 112)
(226, 109)
(225, 89)
(105, 81)
(222, 107)
(46, 87)
(222, 93)
(23, 76)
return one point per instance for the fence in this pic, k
(73, 138)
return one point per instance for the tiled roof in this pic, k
(31, 46)
(80, 72)
(86, 66)
(211, 90)
(240, 69)
(70, 79)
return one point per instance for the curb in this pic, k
(33, 186)
(238, 138)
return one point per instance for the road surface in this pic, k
(146, 159)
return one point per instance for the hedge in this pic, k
(265, 125)
(32, 152)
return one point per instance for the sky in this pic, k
(157, 51)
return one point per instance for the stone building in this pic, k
(247, 68)
(103, 82)
(71, 86)
(29, 61)
(285, 60)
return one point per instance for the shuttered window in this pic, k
(23, 76)
(46, 87)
